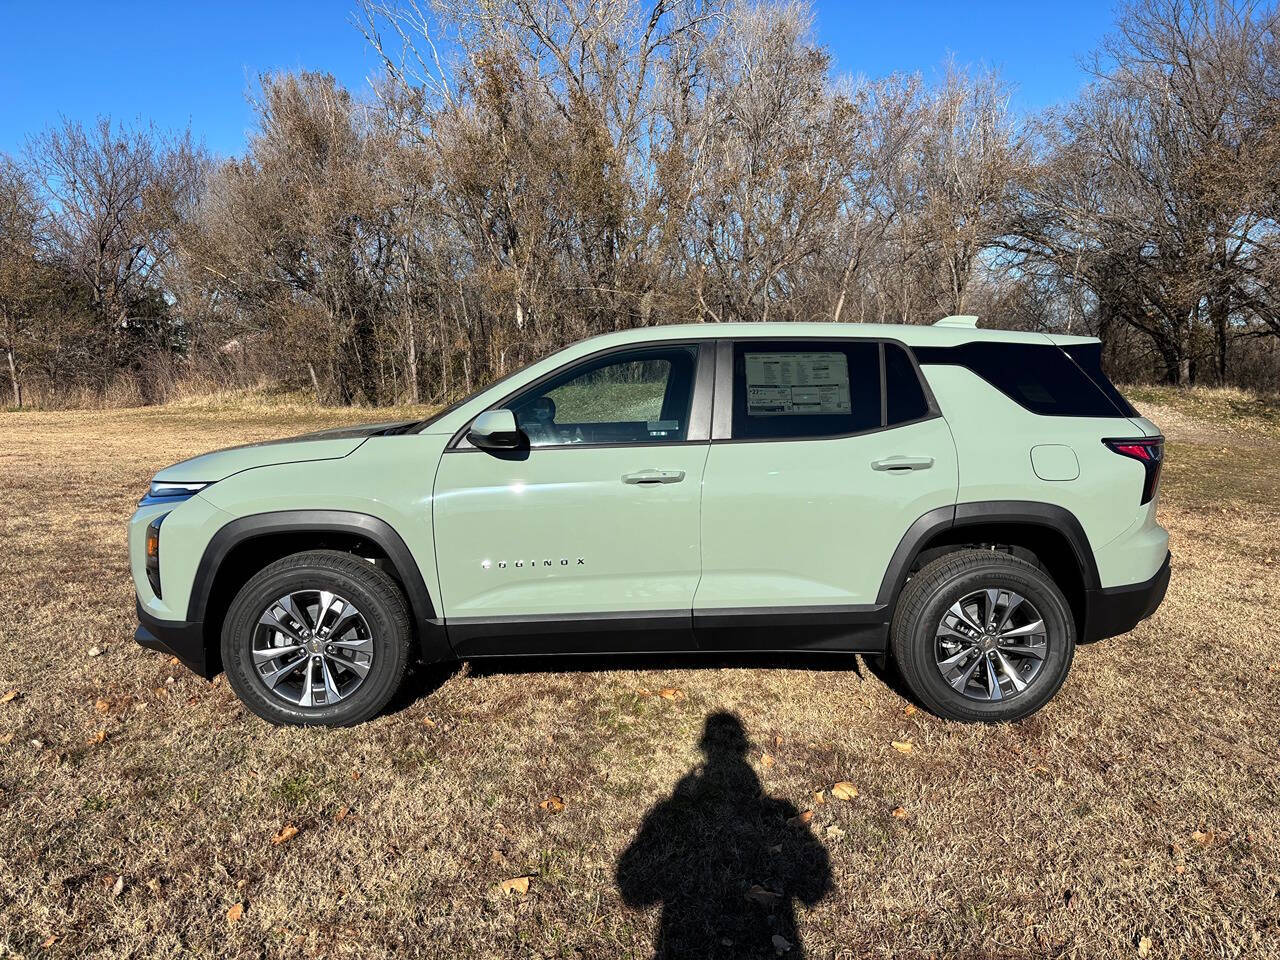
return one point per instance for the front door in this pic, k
(587, 537)
(832, 450)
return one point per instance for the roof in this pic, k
(910, 334)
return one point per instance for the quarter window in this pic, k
(640, 396)
(904, 397)
(787, 390)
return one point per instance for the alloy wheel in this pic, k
(991, 644)
(312, 648)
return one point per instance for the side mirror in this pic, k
(495, 430)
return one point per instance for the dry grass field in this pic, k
(144, 812)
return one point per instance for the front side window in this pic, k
(787, 389)
(638, 396)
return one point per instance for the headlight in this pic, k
(169, 492)
(153, 554)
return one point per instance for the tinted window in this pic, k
(640, 396)
(1041, 378)
(904, 397)
(786, 389)
(1089, 358)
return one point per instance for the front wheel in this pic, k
(982, 635)
(317, 638)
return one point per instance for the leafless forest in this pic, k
(522, 174)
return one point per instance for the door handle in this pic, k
(653, 476)
(901, 464)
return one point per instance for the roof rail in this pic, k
(964, 320)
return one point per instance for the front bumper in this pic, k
(183, 639)
(1111, 611)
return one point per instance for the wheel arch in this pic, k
(247, 544)
(1050, 534)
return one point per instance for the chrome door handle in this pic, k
(897, 464)
(653, 476)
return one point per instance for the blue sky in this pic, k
(192, 63)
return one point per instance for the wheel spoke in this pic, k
(1012, 673)
(1027, 630)
(331, 694)
(272, 679)
(962, 615)
(962, 680)
(347, 618)
(270, 653)
(271, 619)
(993, 604)
(307, 684)
(993, 682)
(1023, 650)
(1014, 602)
(954, 660)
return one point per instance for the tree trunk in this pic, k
(13, 376)
(411, 360)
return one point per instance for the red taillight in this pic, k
(1149, 451)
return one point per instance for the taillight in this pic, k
(1149, 451)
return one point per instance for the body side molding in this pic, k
(432, 639)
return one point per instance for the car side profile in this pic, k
(967, 502)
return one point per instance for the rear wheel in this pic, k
(317, 638)
(982, 635)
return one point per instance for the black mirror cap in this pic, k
(497, 441)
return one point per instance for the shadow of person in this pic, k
(725, 859)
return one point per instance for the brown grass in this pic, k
(1141, 803)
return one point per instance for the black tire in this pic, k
(375, 595)
(931, 593)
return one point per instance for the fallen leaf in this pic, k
(118, 887)
(6, 739)
(909, 709)
(235, 913)
(95, 651)
(428, 722)
(777, 741)
(781, 944)
(341, 814)
(801, 818)
(671, 693)
(175, 661)
(1203, 837)
(834, 832)
(497, 857)
(642, 692)
(8, 696)
(285, 835)
(766, 760)
(903, 746)
(819, 797)
(762, 895)
(50, 942)
(97, 738)
(517, 885)
(355, 774)
(552, 805)
(844, 790)
(899, 813)
(1144, 947)
(102, 706)
(1179, 869)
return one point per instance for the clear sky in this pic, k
(187, 62)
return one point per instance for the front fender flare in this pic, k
(433, 640)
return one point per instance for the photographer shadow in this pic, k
(725, 860)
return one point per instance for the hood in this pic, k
(322, 445)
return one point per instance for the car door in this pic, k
(823, 453)
(587, 537)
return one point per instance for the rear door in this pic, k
(589, 537)
(823, 453)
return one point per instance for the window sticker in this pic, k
(784, 384)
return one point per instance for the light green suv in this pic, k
(971, 503)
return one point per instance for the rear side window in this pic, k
(904, 397)
(788, 390)
(1043, 379)
(1089, 358)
